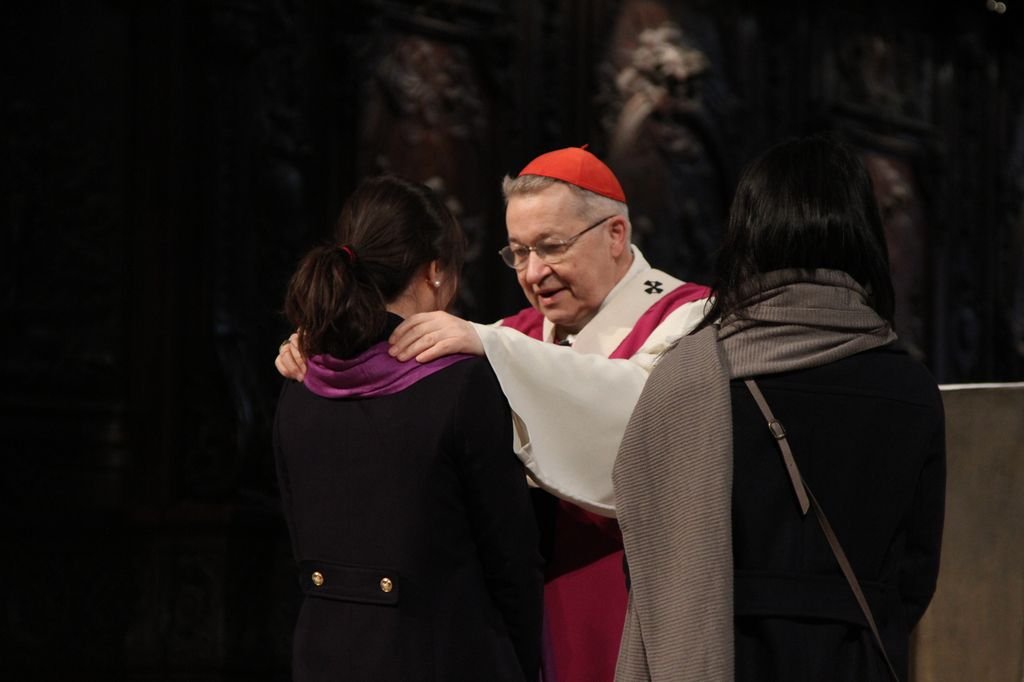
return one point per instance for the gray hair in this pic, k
(592, 205)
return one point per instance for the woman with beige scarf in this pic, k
(730, 578)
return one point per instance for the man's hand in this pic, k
(290, 362)
(428, 336)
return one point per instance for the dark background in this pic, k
(165, 164)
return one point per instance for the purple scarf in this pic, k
(370, 374)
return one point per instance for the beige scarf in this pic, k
(673, 474)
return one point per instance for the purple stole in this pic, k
(371, 374)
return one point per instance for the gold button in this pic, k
(318, 578)
(386, 585)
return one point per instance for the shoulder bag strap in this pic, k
(806, 499)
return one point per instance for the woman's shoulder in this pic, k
(452, 376)
(894, 369)
(888, 373)
(471, 372)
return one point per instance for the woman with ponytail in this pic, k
(408, 512)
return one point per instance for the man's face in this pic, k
(569, 292)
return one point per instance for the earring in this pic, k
(437, 283)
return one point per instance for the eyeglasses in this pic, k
(551, 251)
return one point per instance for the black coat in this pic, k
(420, 488)
(868, 435)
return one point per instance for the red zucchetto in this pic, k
(579, 167)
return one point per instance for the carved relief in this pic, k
(424, 117)
(888, 75)
(664, 137)
(903, 217)
(877, 89)
(661, 77)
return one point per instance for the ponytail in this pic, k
(335, 310)
(388, 229)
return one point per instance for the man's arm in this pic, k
(569, 410)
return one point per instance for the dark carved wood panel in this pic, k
(64, 413)
(666, 109)
(691, 91)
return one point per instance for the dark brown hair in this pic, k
(389, 228)
(806, 203)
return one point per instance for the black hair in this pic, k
(388, 229)
(806, 203)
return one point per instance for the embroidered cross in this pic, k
(652, 287)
